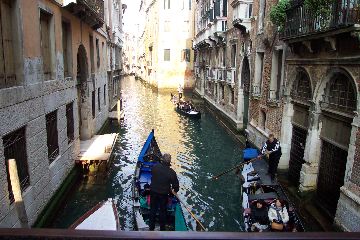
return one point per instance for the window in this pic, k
(276, 71)
(232, 96)
(167, 26)
(97, 53)
(186, 26)
(70, 122)
(93, 104)
(224, 57)
(259, 65)
(185, 55)
(66, 39)
(262, 119)
(99, 101)
(166, 4)
(103, 55)
(222, 92)
(233, 55)
(190, 4)
(104, 94)
(15, 148)
(52, 136)
(261, 15)
(91, 42)
(7, 68)
(46, 43)
(167, 55)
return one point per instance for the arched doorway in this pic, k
(337, 104)
(301, 94)
(83, 94)
(245, 85)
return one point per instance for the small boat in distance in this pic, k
(185, 108)
(103, 216)
(150, 155)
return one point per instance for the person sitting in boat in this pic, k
(259, 216)
(163, 181)
(278, 215)
(146, 191)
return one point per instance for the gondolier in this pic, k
(180, 91)
(272, 150)
(163, 181)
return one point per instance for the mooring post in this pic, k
(16, 189)
(119, 110)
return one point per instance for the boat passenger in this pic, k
(163, 181)
(278, 215)
(260, 217)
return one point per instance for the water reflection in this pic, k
(200, 149)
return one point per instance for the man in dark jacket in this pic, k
(272, 150)
(163, 181)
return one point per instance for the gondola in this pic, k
(149, 156)
(103, 216)
(254, 190)
(181, 109)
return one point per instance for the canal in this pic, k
(200, 149)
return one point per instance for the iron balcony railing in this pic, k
(256, 91)
(301, 21)
(96, 5)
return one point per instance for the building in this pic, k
(54, 93)
(321, 107)
(299, 82)
(222, 46)
(115, 43)
(167, 42)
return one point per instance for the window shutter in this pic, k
(7, 45)
(45, 45)
(2, 62)
(65, 49)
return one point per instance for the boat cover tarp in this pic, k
(250, 153)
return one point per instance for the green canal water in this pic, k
(200, 150)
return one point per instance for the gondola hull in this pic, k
(149, 156)
(253, 190)
(190, 114)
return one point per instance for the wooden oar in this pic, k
(186, 207)
(237, 166)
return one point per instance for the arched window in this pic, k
(301, 89)
(340, 94)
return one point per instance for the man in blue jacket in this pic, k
(163, 181)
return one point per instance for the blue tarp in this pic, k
(250, 153)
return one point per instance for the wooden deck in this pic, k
(97, 149)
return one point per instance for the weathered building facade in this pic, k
(321, 107)
(222, 67)
(167, 43)
(53, 91)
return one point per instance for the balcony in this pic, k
(242, 13)
(343, 16)
(221, 76)
(256, 91)
(213, 74)
(273, 98)
(90, 11)
(231, 76)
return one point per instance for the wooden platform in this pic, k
(97, 149)
(114, 115)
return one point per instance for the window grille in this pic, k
(15, 148)
(301, 89)
(70, 122)
(340, 94)
(52, 136)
